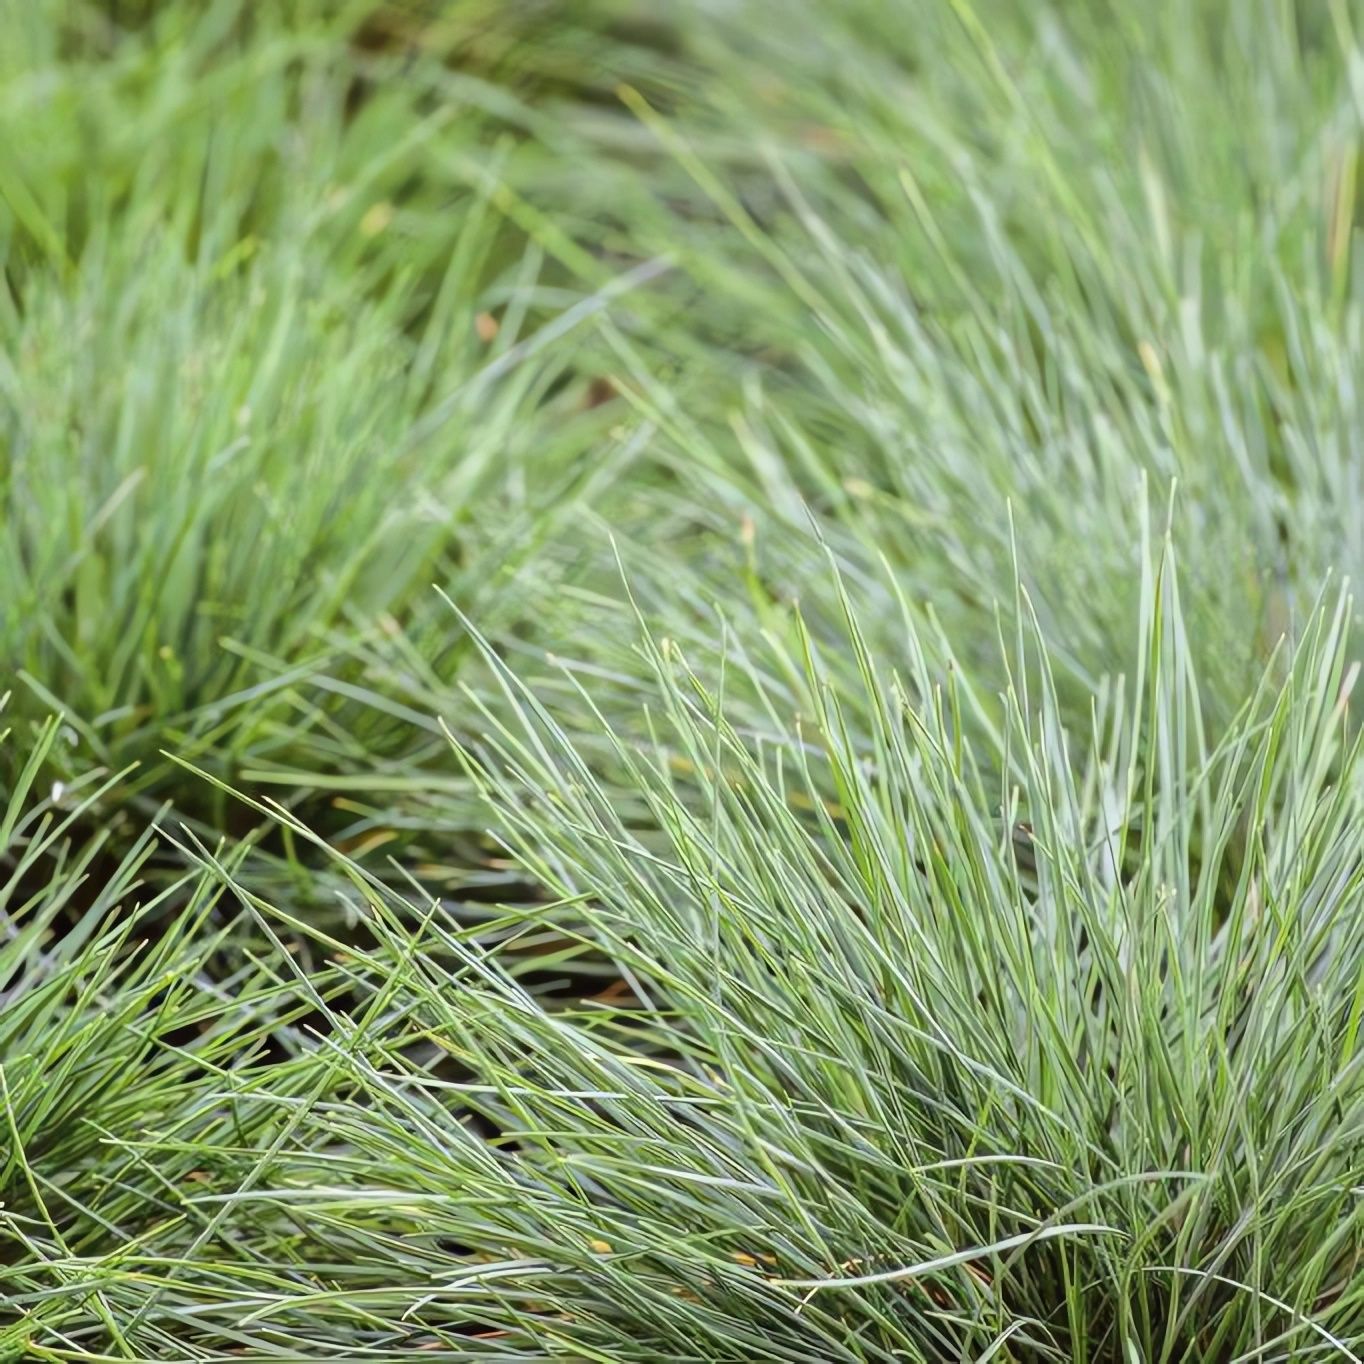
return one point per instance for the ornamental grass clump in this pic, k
(925, 1037)
(273, 361)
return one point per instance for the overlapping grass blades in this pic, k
(926, 1042)
(273, 362)
(933, 935)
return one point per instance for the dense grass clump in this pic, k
(599, 757)
(979, 1042)
(986, 257)
(275, 363)
(920, 1046)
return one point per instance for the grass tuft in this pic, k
(603, 754)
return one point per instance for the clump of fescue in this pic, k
(273, 364)
(926, 1041)
(884, 993)
(129, 1019)
(1041, 256)
(1043, 1038)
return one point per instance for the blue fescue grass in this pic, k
(712, 481)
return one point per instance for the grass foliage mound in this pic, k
(681, 685)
